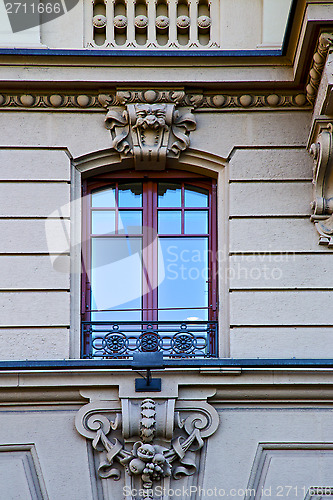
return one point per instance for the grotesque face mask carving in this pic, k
(150, 116)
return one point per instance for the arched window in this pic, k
(150, 264)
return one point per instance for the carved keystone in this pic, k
(149, 132)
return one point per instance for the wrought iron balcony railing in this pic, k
(105, 340)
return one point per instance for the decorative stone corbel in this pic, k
(325, 41)
(322, 152)
(154, 442)
(149, 132)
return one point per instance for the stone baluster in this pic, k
(194, 22)
(130, 7)
(214, 14)
(152, 39)
(90, 37)
(173, 40)
(110, 40)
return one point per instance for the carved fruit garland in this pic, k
(148, 459)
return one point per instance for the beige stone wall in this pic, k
(274, 430)
(279, 275)
(34, 297)
(274, 278)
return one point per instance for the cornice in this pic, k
(70, 387)
(201, 101)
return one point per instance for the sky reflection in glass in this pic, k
(130, 222)
(130, 195)
(196, 222)
(103, 222)
(186, 274)
(103, 198)
(116, 278)
(169, 194)
(169, 222)
(196, 197)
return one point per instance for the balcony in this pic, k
(111, 340)
(150, 24)
(185, 24)
(147, 24)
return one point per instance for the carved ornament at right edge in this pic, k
(322, 152)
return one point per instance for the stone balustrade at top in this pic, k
(150, 24)
(145, 24)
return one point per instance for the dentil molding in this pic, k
(147, 443)
(322, 152)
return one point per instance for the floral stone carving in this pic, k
(154, 442)
(150, 132)
(323, 186)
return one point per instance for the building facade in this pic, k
(166, 247)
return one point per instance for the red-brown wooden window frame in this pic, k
(150, 180)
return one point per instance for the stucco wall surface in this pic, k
(273, 276)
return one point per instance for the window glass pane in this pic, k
(130, 222)
(196, 197)
(196, 222)
(115, 277)
(169, 222)
(130, 195)
(103, 198)
(169, 195)
(103, 222)
(185, 264)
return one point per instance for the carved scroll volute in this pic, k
(96, 416)
(117, 122)
(198, 415)
(323, 186)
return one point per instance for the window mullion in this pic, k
(182, 230)
(149, 252)
(145, 256)
(213, 262)
(154, 251)
(117, 209)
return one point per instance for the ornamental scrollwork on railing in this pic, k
(323, 186)
(150, 132)
(157, 442)
(174, 339)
